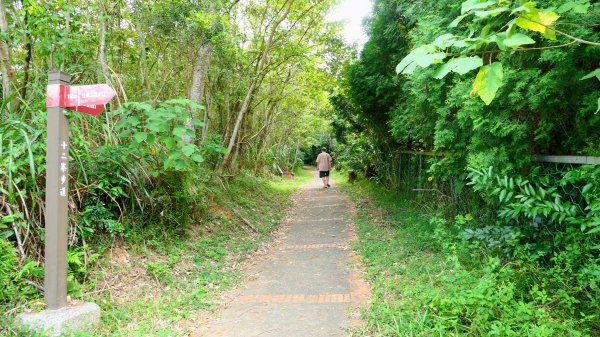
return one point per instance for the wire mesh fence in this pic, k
(556, 167)
(411, 173)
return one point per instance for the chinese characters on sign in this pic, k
(89, 99)
(64, 161)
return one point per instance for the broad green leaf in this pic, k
(526, 23)
(456, 21)
(197, 158)
(168, 141)
(518, 39)
(499, 40)
(592, 74)
(548, 18)
(470, 5)
(179, 165)
(188, 149)
(598, 110)
(179, 131)
(12, 218)
(124, 134)
(190, 132)
(520, 9)
(122, 124)
(423, 56)
(460, 65)
(430, 59)
(461, 44)
(550, 34)
(493, 12)
(485, 31)
(156, 125)
(134, 121)
(536, 20)
(510, 31)
(444, 41)
(566, 7)
(407, 64)
(140, 136)
(184, 102)
(580, 7)
(488, 81)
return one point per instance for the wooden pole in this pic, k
(57, 187)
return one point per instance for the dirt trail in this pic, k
(306, 286)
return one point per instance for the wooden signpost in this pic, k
(60, 318)
(60, 97)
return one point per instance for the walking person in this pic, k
(324, 166)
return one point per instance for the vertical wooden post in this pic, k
(420, 171)
(400, 173)
(57, 188)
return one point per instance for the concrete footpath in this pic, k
(307, 285)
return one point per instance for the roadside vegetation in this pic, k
(431, 279)
(448, 112)
(163, 281)
(445, 115)
(214, 99)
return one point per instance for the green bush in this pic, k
(490, 301)
(551, 236)
(8, 267)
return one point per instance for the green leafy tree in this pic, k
(486, 28)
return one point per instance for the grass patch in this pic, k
(160, 282)
(427, 281)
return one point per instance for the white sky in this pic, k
(352, 12)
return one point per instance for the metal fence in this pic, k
(555, 168)
(412, 174)
(413, 171)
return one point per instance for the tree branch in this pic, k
(591, 43)
(513, 50)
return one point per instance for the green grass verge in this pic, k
(427, 282)
(163, 281)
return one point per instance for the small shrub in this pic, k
(8, 267)
(159, 270)
(490, 302)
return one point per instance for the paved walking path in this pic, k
(307, 286)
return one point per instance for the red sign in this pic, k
(93, 110)
(55, 95)
(83, 98)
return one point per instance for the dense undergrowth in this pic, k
(508, 241)
(430, 278)
(157, 280)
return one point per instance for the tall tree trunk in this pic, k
(254, 84)
(198, 84)
(143, 63)
(26, 65)
(102, 53)
(207, 99)
(9, 78)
